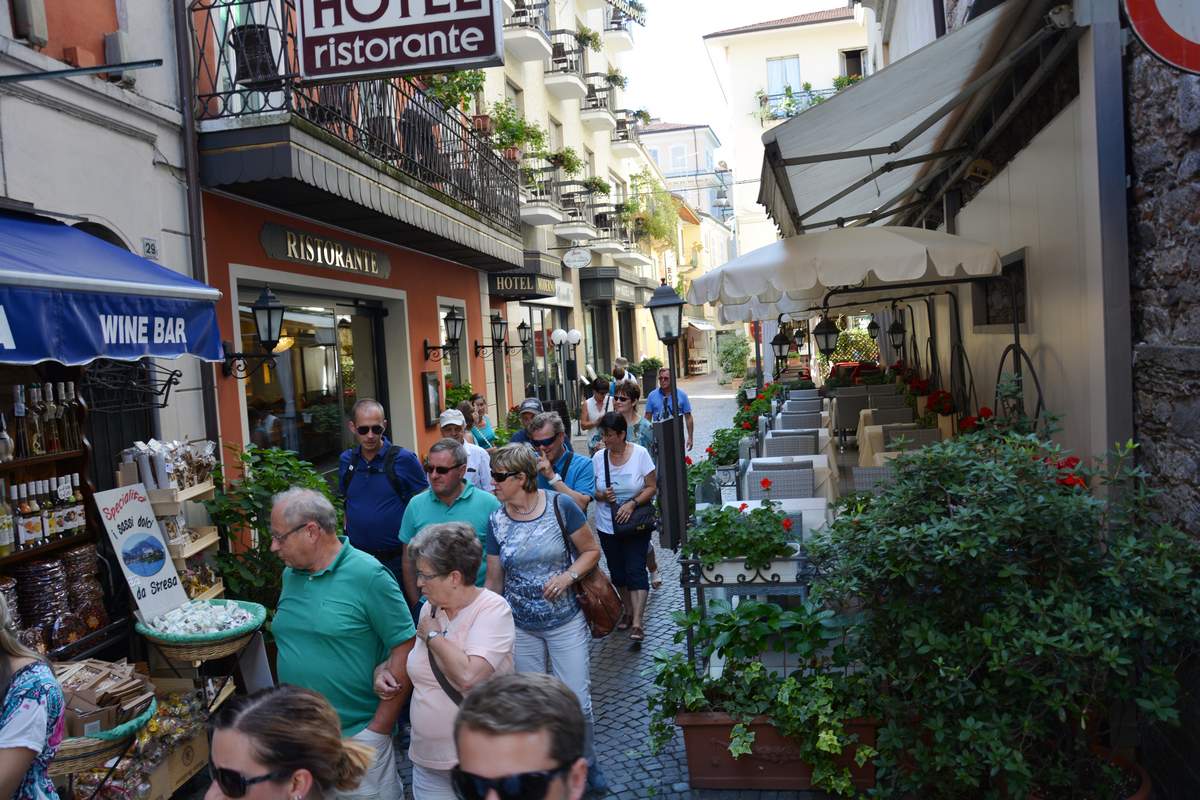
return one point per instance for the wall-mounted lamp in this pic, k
(499, 334)
(268, 323)
(454, 325)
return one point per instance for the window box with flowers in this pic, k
(737, 545)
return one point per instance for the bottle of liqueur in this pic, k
(18, 518)
(44, 503)
(73, 413)
(21, 435)
(37, 440)
(50, 419)
(66, 418)
(7, 447)
(31, 519)
(6, 525)
(77, 502)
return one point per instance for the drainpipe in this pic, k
(191, 164)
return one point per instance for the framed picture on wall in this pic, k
(431, 382)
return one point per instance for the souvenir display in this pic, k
(200, 617)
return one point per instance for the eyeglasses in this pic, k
(622, 399)
(426, 578)
(543, 442)
(522, 786)
(430, 469)
(235, 784)
(500, 477)
(363, 430)
(278, 539)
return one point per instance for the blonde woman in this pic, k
(282, 744)
(31, 723)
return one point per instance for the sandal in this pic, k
(636, 634)
(623, 625)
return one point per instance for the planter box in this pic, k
(774, 762)
(948, 425)
(733, 572)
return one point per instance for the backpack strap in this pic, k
(389, 469)
(345, 475)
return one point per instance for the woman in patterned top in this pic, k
(529, 563)
(31, 723)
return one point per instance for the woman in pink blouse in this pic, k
(464, 636)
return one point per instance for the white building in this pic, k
(687, 155)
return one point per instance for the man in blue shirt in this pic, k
(530, 407)
(559, 468)
(377, 479)
(659, 404)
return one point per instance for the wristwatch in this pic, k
(429, 637)
(556, 479)
(574, 575)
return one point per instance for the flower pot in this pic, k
(512, 153)
(948, 425)
(734, 571)
(921, 403)
(484, 124)
(773, 763)
(1145, 785)
(727, 475)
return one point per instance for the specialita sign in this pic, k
(355, 38)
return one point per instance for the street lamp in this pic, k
(454, 322)
(780, 346)
(896, 334)
(666, 308)
(268, 324)
(826, 333)
(524, 334)
(873, 329)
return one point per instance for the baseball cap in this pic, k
(452, 416)
(530, 404)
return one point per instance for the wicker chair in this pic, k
(883, 390)
(793, 422)
(802, 407)
(870, 479)
(909, 438)
(795, 481)
(892, 416)
(846, 412)
(791, 443)
(850, 391)
(803, 394)
(888, 401)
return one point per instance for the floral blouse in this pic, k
(32, 718)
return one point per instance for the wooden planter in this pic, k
(774, 762)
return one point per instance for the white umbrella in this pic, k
(790, 275)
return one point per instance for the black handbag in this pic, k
(643, 518)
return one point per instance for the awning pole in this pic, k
(885, 168)
(758, 365)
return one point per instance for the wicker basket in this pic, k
(202, 647)
(80, 753)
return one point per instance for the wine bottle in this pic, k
(6, 445)
(77, 502)
(25, 533)
(37, 441)
(68, 432)
(6, 525)
(22, 436)
(74, 415)
(50, 420)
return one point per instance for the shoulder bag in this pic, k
(602, 606)
(454, 694)
(640, 521)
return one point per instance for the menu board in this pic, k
(138, 543)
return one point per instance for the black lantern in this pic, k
(268, 326)
(666, 307)
(454, 325)
(873, 329)
(781, 345)
(896, 335)
(826, 333)
(499, 334)
(499, 328)
(524, 334)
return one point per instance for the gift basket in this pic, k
(204, 629)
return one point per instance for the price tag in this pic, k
(138, 542)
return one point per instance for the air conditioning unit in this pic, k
(29, 21)
(116, 51)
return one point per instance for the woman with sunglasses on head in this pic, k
(481, 425)
(464, 636)
(530, 563)
(282, 744)
(31, 721)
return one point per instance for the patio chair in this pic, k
(892, 416)
(846, 411)
(764, 425)
(791, 443)
(789, 421)
(888, 400)
(802, 406)
(850, 391)
(909, 438)
(870, 479)
(796, 480)
(803, 394)
(883, 389)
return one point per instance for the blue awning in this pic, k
(67, 296)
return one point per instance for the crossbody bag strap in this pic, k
(454, 694)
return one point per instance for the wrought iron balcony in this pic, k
(600, 93)
(527, 33)
(789, 102)
(247, 74)
(625, 135)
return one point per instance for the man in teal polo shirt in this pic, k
(450, 498)
(340, 613)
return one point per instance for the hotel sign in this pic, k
(303, 247)
(352, 39)
(521, 287)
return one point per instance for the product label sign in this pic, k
(355, 38)
(138, 543)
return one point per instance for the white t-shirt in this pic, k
(595, 412)
(627, 480)
(479, 467)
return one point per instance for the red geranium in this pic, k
(766, 483)
(985, 412)
(1070, 462)
(709, 450)
(743, 507)
(746, 425)
(746, 407)
(786, 523)
(761, 396)
(687, 460)
(1072, 480)
(967, 424)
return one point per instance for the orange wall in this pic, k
(79, 23)
(232, 236)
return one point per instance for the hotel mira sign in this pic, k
(344, 39)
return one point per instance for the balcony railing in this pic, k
(577, 202)
(530, 16)
(599, 93)
(790, 102)
(626, 130)
(246, 65)
(541, 180)
(566, 54)
(616, 20)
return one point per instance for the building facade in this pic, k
(687, 155)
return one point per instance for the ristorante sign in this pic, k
(302, 247)
(342, 39)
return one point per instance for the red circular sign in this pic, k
(1168, 34)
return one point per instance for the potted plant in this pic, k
(595, 185)
(566, 160)
(1006, 609)
(513, 133)
(776, 692)
(701, 483)
(723, 453)
(744, 545)
(641, 116)
(454, 89)
(588, 39)
(614, 78)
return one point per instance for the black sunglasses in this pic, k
(522, 786)
(499, 477)
(235, 784)
(543, 442)
(363, 430)
(430, 469)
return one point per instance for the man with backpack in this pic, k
(377, 479)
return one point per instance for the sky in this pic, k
(669, 68)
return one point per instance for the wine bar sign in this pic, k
(345, 39)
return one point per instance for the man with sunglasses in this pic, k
(660, 404)
(450, 498)
(340, 614)
(479, 464)
(377, 479)
(520, 737)
(559, 468)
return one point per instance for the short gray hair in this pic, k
(449, 547)
(552, 418)
(367, 402)
(452, 446)
(302, 505)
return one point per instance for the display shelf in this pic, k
(169, 501)
(94, 642)
(37, 461)
(213, 592)
(49, 547)
(208, 537)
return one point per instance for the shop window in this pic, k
(991, 300)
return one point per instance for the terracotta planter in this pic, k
(484, 124)
(774, 762)
(512, 153)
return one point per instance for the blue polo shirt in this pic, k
(474, 507)
(576, 472)
(372, 505)
(658, 406)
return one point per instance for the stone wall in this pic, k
(1163, 118)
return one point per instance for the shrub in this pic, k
(732, 355)
(723, 451)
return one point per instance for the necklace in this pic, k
(524, 511)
